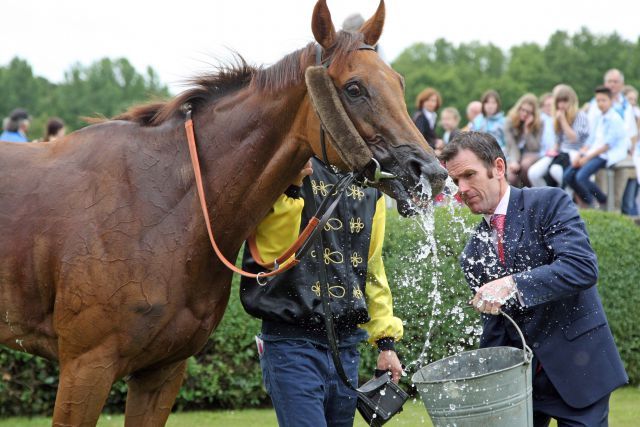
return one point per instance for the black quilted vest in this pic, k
(294, 297)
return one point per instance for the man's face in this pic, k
(614, 82)
(603, 101)
(478, 186)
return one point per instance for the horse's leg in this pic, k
(85, 382)
(151, 395)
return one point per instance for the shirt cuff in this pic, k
(386, 343)
(518, 293)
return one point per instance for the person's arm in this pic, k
(630, 123)
(574, 266)
(384, 328)
(591, 154)
(571, 135)
(280, 228)
(533, 140)
(581, 127)
(513, 151)
(383, 323)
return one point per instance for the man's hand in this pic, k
(306, 171)
(577, 164)
(388, 361)
(492, 296)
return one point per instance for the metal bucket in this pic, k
(486, 387)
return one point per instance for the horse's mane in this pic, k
(227, 78)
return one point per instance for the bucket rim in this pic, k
(465, 378)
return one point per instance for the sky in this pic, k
(182, 38)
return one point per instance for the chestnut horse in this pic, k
(105, 263)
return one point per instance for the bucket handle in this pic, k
(528, 354)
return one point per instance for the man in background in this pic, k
(16, 127)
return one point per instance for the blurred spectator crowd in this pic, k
(590, 150)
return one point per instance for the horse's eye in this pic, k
(353, 90)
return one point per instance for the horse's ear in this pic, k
(322, 26)
(373, 27)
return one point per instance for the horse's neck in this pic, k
(253, 148)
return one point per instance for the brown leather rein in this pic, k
(298, 248)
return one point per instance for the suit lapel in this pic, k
(514, 226)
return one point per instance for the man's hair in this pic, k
(16, 118)
(614, 71)
(605, 90)
(482, 144)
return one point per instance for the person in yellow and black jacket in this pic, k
(296, 362)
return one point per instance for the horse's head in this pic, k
(372, 96)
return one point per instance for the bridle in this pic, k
(360, 178)
(306, 238)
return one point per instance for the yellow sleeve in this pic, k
(383, 324)
(280, 228)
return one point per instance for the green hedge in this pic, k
(227, 374)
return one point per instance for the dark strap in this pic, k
(322, 271)
(326, 306)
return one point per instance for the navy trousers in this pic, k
(548, 404)
(304, 386)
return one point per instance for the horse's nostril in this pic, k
(442, 173)
(416, 169)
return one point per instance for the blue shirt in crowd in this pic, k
(13, 137)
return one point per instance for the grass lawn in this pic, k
(625, 412)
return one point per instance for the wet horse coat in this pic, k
(105, 263)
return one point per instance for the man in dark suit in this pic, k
(531, 257)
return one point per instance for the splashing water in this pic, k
(428, 252)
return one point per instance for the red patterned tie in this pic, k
(497, 223)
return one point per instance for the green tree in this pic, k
(462, 73)
(106, 88)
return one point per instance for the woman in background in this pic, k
(522, 132)
(571, 127)
(492, 118)
(425, 118)
(55, 129)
